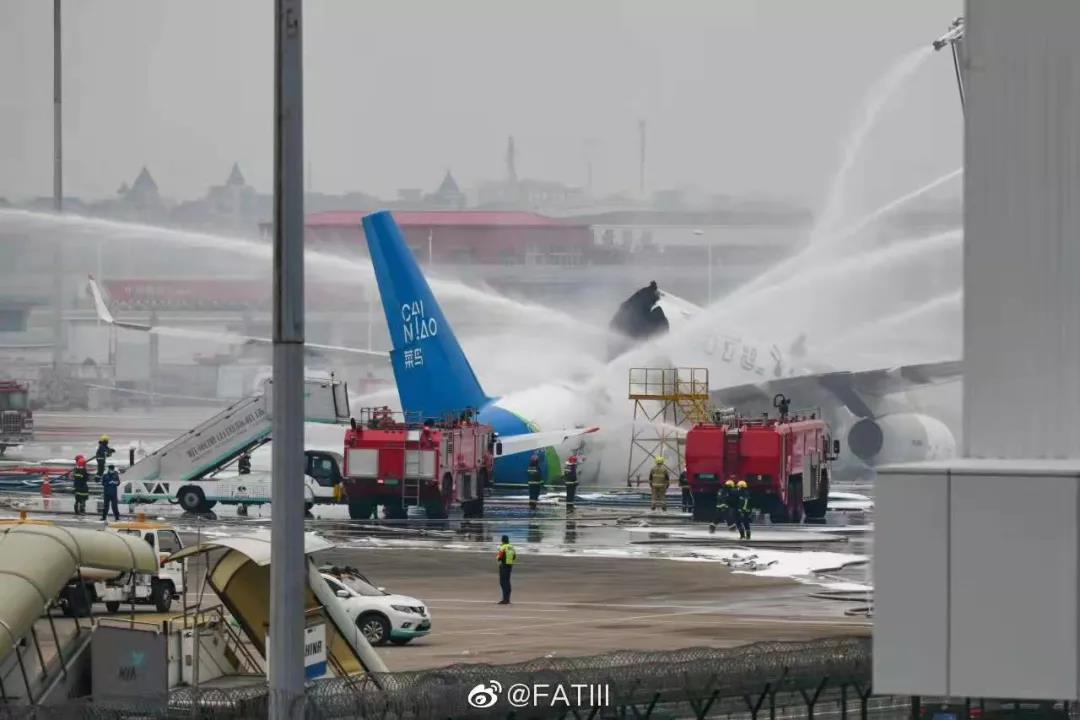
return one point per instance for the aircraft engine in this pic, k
(903, 437)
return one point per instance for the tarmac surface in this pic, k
(567, 606)
(582, 585)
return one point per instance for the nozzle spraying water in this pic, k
(953, 39)
(954, 34)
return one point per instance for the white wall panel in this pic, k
(911, 584)
(1022, 229)
(1013, 596)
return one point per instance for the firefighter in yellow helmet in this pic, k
(659, 480)
(102, 454)
(742, 509)
(725, 506)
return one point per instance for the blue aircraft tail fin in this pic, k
(433, 375)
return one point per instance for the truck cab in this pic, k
(158, 589)
(16, 418)
(324, 467)
(114, 589)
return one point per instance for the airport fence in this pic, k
(817, 680)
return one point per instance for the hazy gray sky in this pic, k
(739, 96)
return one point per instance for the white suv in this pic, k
(381, 616)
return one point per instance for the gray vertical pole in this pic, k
(58, 166)
(641, 159)
(287, 570)
(58, 195)
(708, 252)
(155, 361)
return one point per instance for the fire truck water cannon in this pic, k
(785, 461)
(398, 461)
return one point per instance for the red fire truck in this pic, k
(16, 419)
(784, 460)
(397, 462)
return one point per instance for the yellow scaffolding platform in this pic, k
(666, 400)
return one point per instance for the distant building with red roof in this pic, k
(465, 237)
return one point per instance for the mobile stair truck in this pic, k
(182, 471)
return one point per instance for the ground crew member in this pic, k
(659, 480)
(535, 476)
(570, 481)
(243, 465)
(110, 489)
(80, 484)
(725, 506)
(742, 509)
(687, 497)
(102, 454)
(507, 556)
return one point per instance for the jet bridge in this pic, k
(239, 573)
(218, 441)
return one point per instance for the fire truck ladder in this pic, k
(410, 461)
(666, 401)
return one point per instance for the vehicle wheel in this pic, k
(375, 628)
(242, 510)
(815, 509)
(395, 510)
(191, 498)
(400, 641)
(161, 596)
(207, 506)
(704, 506)
(795, 502)
(359, 510)
(435, 510)
(78, 602)
(308, 506)
(112, 606)
(778, 511)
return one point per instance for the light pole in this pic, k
(58, 193)
(287, 571)
(708, 261)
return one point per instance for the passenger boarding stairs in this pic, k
(218, 441)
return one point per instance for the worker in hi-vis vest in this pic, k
(507, 556)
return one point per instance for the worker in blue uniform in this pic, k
(110, 490)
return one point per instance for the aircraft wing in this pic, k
(513, 444)
(226, 338)
(848, 387)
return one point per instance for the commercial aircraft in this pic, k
(435, 378)
(861, 406)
